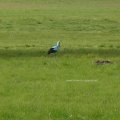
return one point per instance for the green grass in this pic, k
(34, 85)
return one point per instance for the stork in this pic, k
(55, 48)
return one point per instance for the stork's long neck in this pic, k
(58, 44)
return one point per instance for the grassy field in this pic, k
(35, 86)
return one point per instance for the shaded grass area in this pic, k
(65, 52)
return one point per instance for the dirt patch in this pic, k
(102, 62)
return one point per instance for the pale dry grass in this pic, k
(59, 4)
(15, 6)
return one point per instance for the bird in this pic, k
(55, 48)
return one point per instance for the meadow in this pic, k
(37, 86)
